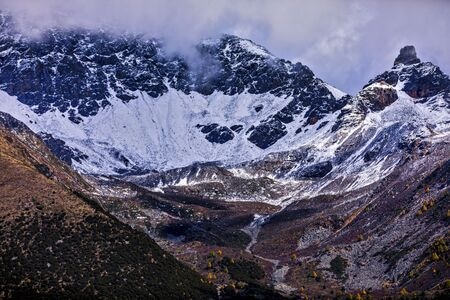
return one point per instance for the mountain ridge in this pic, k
(140, 76)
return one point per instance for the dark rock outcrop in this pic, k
(318, 170)
(407, 56)
(220, 135)
(61, 150)
(237, 128)
(267, 133)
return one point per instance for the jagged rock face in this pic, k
(260, 72)
(426, 81)
(75, 72)
(418, 80)
(377, 97)
(52, 232)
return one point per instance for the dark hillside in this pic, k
(56, 243)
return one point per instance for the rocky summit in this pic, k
(243, 173)
(407, 56)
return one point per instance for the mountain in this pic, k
(56, 242)
(245, 166)
(113, 105)
(121, 105)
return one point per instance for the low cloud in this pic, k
(344, 42)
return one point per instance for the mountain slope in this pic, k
(56, 242)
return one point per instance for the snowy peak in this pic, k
(417, 79)
(78, 72)
(413, 93)
(407, 56)
(233, 65)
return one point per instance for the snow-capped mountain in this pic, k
(122, 105)
(114, 104)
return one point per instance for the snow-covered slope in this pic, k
(165, 132)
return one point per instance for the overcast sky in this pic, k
(345, 42)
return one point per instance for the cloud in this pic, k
(345, 42)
